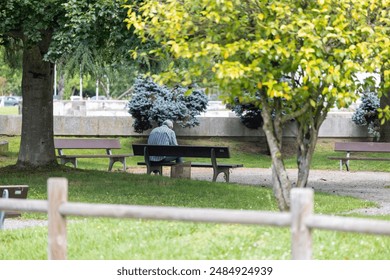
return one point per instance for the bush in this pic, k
(250, 114)
(367, 113)
(151, 104)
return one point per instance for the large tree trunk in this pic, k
(37, 144)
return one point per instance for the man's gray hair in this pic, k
(168, 123)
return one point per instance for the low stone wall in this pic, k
(337, 125)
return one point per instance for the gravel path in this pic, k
(371, 186)
(17, 223)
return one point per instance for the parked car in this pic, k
(99, 97)
(10, 100)
(76, 98)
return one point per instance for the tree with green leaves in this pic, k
(85, 34)
(293, 59)
(10, 77)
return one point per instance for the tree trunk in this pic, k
(306, 145)
(37, 144)
(61, 86)
(385, 129)
(280, 180)
(308, 128)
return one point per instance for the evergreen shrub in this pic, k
(151, 104)
(367, 113)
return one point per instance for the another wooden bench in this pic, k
(88, 144)
(365, 147)
(187, 152)
(12, 191)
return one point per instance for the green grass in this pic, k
(94, 238)
(98, 238)
(9, 110)
(250, 153)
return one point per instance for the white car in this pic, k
(10, 100)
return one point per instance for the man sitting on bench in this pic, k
(164, 135)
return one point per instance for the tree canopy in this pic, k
(300, 57)
(87, 35)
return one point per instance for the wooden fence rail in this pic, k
(301, 219)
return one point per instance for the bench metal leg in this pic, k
(225, 171)
(115, 159)
(344, 162)
(155, 169)
(71, 160)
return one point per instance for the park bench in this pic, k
(12, 191)
(213, 153)
(360, 147)
(88, 144)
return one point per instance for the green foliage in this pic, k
(87, 37)
(318, 46)
(301, 57)
(10, 77)
(251, 45)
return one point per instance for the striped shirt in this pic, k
(162, 135)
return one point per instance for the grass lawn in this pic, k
(98, 238)
(9, 110)
(251, 154)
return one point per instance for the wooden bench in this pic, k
(364, 147)
(88, 144)
(187, 152)
(12, 191)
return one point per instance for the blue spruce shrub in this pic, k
(367, 114)
(151, 104)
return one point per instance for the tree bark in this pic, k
(385, 129)
(280, 181)
(306, 145)
(308, 128)
(37, 144)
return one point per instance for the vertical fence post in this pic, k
(58, 194)
(302, 206)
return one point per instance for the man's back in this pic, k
(162, 136)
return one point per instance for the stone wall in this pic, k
(337, 125)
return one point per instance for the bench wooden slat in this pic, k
(211, 152)
(88, 144)
(181, 150)
(374, 147)
(14, 191)
(359, 158)
(95, 156)
(359, 147)
(198, 164)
